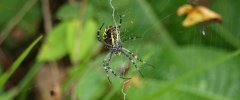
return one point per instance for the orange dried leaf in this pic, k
(197, 15)
(185, 9)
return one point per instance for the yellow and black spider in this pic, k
(112, 40)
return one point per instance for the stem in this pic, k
(46, 15)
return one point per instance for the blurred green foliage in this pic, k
(24, 13)
(188, 65)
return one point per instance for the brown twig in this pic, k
(46, 15)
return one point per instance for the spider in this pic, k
(112, 41)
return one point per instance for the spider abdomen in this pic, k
(110, 36)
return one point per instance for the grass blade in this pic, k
(16, 64)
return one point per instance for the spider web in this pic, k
(198, 36)
(124, 94)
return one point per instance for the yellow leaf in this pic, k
(197, 15)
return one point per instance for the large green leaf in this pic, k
(72, 36)
(55, 45)
(214, 75)
(80, 41)
(68, 38)
(90, 87)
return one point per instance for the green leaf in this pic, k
(54, 46)
(89, 87)
(17, 63)
(68, 37)
(80, 41)
(210, 80)
(69, 11)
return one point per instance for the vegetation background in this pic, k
(49, 51)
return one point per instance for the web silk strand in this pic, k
(113, 16)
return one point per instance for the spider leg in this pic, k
(98, 33)
(120, 20)
(130, 38)
(132, 60)
(136, 57)
(106, 63)
(108, 69)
